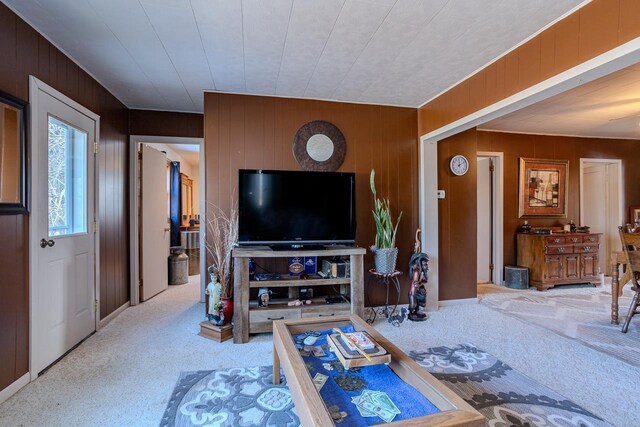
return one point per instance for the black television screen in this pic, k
(288, 207)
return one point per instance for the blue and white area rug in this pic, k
(247, 396)
(503, 395)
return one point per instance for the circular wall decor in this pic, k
(319, 146)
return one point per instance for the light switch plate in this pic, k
(441, 194)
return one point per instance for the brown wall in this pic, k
(457, 223)
(24, 52)
(592, 30)
(257, 132)
(162, 123)
(573, 149)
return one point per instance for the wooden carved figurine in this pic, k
(419, 273)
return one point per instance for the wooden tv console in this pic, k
(248, 318)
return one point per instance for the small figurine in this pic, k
(264, 294)
(214, 291)
(419, 273)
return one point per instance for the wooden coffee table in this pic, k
(312, 411)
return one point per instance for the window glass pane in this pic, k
(67, 161)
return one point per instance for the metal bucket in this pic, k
(178, 266)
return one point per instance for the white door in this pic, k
(63, 204)
(154, 226)
(595, 203)
(484, 220)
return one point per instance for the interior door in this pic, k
(484, 219)
(595, 201)
(154, 223)
(64, 238)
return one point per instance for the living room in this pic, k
(339, 89)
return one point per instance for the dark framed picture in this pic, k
(543, 188)
(634, 214)
(13, 155)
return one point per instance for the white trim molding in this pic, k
(14, 387)
(498, 214)
(134, 207)
(602, 65)
(428, 202)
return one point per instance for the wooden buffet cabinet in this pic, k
(559, 259)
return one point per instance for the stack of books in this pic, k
(344, 346)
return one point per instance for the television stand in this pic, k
(295, 247)
(249, 318)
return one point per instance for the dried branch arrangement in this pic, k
(221, 238)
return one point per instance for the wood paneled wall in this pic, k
(457, 223)
(573, 149)
(257, 132)
(592, 30)
(24, 52)
(163, 123)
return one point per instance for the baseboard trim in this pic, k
(458, 302)
(13, 388)
(113, 315)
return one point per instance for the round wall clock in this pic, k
(319, 146)
(459, 165)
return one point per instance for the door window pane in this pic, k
(67, 159)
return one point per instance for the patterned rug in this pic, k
(584, 317)
(230, 397)
(247, 396)
(503, 395)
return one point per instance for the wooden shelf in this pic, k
(249, 318)
(282, 303)
(267, 252)
(286, 281)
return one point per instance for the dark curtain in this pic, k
(175, 199)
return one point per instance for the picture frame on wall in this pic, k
(634, 214)
(543, 188)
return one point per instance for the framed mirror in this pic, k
(13, 155)
(319, 146)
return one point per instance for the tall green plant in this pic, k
(385, 230)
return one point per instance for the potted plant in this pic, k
(221, 238)
(385, 251)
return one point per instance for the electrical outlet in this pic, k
(441, 194)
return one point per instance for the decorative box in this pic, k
(296, 266)
(310, 265)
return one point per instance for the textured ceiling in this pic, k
(608, 107)
(162, 54)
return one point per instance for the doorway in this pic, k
(489, 179)
(601, 204)
(64, 266)
(167, 202)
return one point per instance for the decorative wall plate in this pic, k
(319, 146)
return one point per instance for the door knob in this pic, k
(44, 243)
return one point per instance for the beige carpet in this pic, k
(124, 374)
(583, 316)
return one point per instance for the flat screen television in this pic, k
(291, 208)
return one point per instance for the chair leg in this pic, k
(632, 311)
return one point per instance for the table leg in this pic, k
(386, 301)
(615, 284)
(397, 283)
(276, 366)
